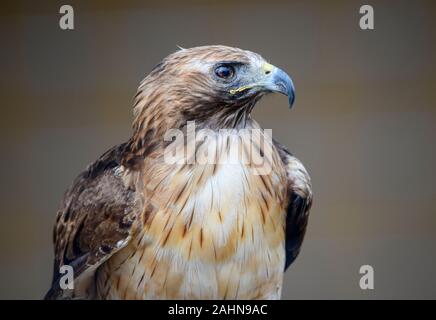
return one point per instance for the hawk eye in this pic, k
(225, 71)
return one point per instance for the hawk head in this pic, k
(216, 86)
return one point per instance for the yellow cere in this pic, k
(267, 67)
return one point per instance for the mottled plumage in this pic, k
(134, 226)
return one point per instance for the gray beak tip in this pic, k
(291, 100)
(283, 84)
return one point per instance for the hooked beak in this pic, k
(276, 80)
(270, 79)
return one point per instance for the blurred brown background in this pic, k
(363, 124)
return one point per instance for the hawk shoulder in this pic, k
(95, 220)
(299, 202)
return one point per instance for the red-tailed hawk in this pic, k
(135, 225)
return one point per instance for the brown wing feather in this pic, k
(299, 203)
(95, 220)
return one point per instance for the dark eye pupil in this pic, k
(224, 72)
